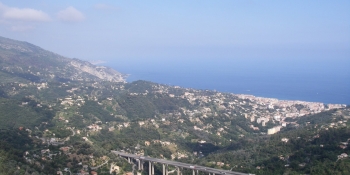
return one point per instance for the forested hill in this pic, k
(56, 116)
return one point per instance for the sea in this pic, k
(325, 81)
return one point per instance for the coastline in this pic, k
(264, 92)
(319, 86)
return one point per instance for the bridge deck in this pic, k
(179, 164)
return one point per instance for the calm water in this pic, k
(327, 82)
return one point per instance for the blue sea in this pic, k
(307, 80)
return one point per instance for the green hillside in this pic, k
(60, 114)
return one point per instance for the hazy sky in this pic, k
(183, 29)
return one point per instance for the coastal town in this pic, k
(206, 112)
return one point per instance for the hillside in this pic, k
(65, 115)
(25, 61)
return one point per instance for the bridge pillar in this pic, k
(166, 169)
(163, 169)
(178, 170)
(139, 164)
(129, 160)
(193, 172)
(149, 168)
(152, 168)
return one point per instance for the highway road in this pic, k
(179, 164)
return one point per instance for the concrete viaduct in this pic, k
(178, 165)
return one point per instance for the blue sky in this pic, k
(174, 31)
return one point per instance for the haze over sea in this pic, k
(294, 79)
